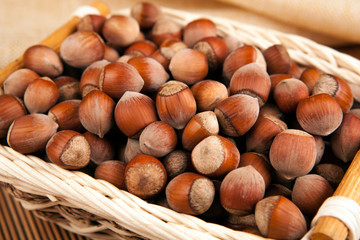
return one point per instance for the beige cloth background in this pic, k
(24, 23)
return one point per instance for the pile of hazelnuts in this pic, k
(180, 116)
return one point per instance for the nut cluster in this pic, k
(232, 133)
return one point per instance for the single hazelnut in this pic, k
(320, 148)
(112, 171)
(277, 59)
(132, 149)
(68, 149)
(163, 29)
(208, 93)
(288, 93)
(146, 14)
(215, 50)
(239, 57)
(133, 112)
(197, 30)
(345, 141)
(120, 30)
(96, 112)
(241, 189)
(111, 54)
(118, 77)
(40, 95)
(90, 77)
(43, 60)
(102, 149)
(293, 153)
(215, 156)
(80, 49)
(190, 193)
(68, 87)
(30, 133)
(91, 23)
(319, 114)
(200, 126)
(261, 135)
(66, 115)
(175, 104)
(310, 76)
(237, 114)
(259, 162)
(275, 189)
(309, 193)
(252, 80)
(271, 109)
(151, 71)
(177, 162)
(279, 218)
(295, 70)
(331, 172)
(189, 66)
(232, 43)
(11, 108)
(16, 83)
(145, 176)
(141, 48)
(161, 59)
(158, 139)
(276, 78)
(337, 88)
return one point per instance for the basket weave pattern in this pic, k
(97, 209)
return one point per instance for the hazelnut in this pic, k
(252, 80)
(190, 193)
(164, 29)
(189, 66)
(320, 148)
(141, 48)
(177, 162)
(295, 70)
(277, 217)
(232, 43)
(151, 71)
(215, 156)
(120, 30)
(260, 163)
(278, 189)
(345, 141)
(16, 83)
(118, 77)
(202, 125)
(276, 78)
(66, 115)
(293, 153)
(80, 49)
(158, 139)
(30, 133)
(175, 104)
(337, 88)
(132, 149)
(309, 193)
(261, 135)
(237, 114)
(288, 93)
(208, 93)
(102, 149)
(310, 76)
(133, 112)
(68, 87)
(277, 59)
(319, 114)
(146, 14)
(167, 50)
(112, 171)
(11, 108)
(91, 23)
(90, 77)
(68, 149)
(43, 60)
(331, 172)
(145, 176)
(240, 57)
(111, 54)
(197, 30)
(96, 112)
(241, 189)
(40, 95)
(215, 50)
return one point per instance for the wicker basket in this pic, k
(97, 209)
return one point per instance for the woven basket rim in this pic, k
(79, 190)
